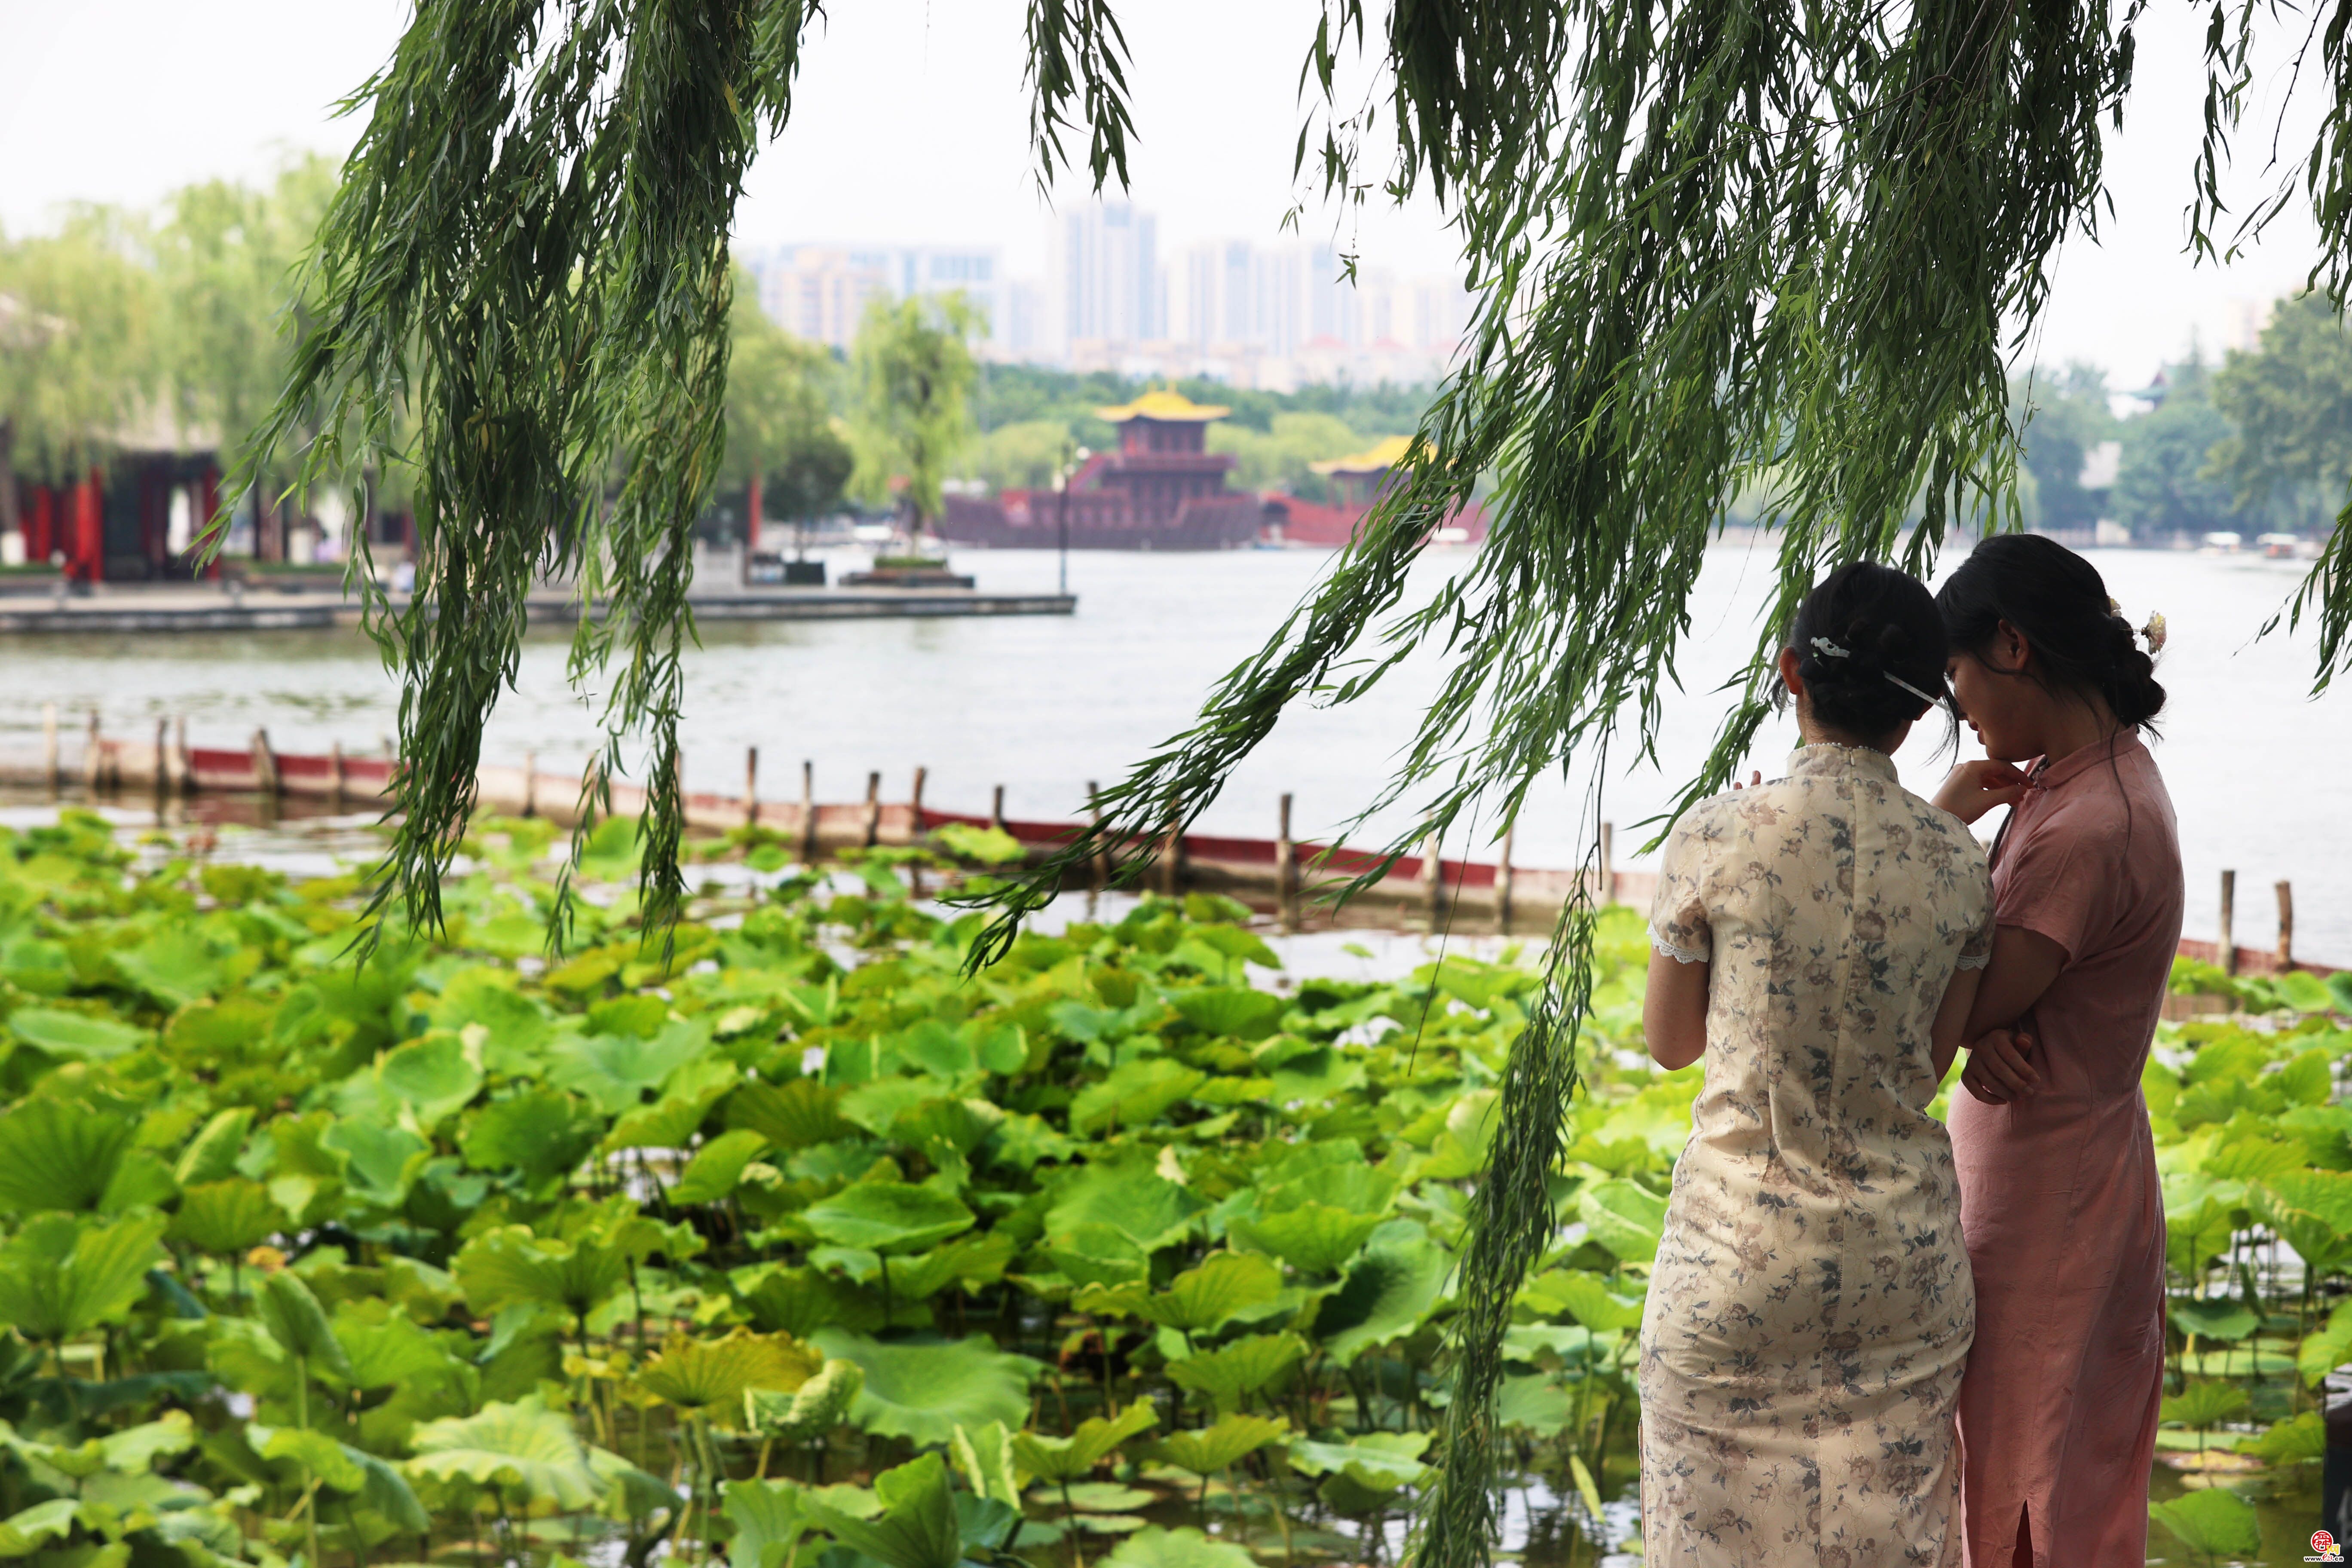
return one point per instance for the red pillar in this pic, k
(86, 552)
(41, 524)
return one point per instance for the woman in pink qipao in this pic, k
(2059, 1195)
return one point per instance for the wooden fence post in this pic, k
(338, 782)
(996, 809)
(1502, 886)
(2228, 943)
(751, 786)
(1608, 894)
(183, 761)
(1432, 879)
(530, 782)
(914, 817)
(1285, 870)
(2286, 927)
(93, 755)
(50, 757)
(163, 779)
(1098, 864)
(808, 813)
(265, 765)
(873, 809)
(1172, 860)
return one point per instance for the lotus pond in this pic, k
(795, 1247)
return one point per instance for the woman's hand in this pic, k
(1977, 787)
(1999, 1067)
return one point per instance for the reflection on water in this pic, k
(2261, 775)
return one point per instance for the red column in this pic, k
(86, 550)
(41, 524)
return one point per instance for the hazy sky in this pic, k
(911, 124)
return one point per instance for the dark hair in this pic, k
(2058, 602)
(1865, 636)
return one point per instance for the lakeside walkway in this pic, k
(115, 609)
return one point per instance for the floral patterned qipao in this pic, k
(1811, 1308)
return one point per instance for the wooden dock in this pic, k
(115, 611)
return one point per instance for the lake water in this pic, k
(2261, 772)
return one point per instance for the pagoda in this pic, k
(1357, 481)
(1161, 489)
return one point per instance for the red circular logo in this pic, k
(2321, 1540)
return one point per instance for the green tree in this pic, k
(913, 362)
(2062, 417)
(2164, 484)
(1024, 455)
(1282, 457)
(780, 443)
(76, 328)
(2289, 405)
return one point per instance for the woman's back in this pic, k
(1810, 1306)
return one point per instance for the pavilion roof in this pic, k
(1164, 403)
(1379, 459)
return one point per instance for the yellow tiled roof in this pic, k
(1163, 403)
(1387, 455)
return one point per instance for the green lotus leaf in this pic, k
(55, 1154)
(1348, 1185)
(2294, 1441)
(1387, 1292)
(507, 1263)
(1534, 1402)
(62, 1275)
(810, 1411)
(379, 1161)
(1134, 1095)
(877, 1106)
(523, 1446)
(391, 1353)
(286, 1307)
(1381, 1461)
(1221, 1447)
(887, 1216)
(1148, 1209)
(2205, 1403)
(1316, 1077)
(2307, 1079)
(924, 1389)
(2312, 1211)
(916, 1526)
(540, 1132)
(717, 1166)
(672, 1121)
(2216, 1523)
(1312, 1237)
(967, 1261)
(2340, 987)
(25, 1532)
(799, 1301)
(2219, 1319)
(769, 1518)
(1590, 1302)
(2305, 991)
(78, 1036)
(517, 1025)
(942, 1129)
(1098, 1254)
(983, 1455)
(699, 1374)
(1186, 1547)
(1224, 1285)
(1231, 1372)
(180, 964)
(211, 1154)
(799, 1114)
(617, 1071)
(1067, 1459)
(1623, 1216)
(932, 1048)
(1234, 1011)
(226, 1218)
(319, 1455)
(433, 1077)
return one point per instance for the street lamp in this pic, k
(1072, 459)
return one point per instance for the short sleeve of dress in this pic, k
(1977, 951)
(1678, 923)
(2062, 882)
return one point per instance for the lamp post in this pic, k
(1072, 458)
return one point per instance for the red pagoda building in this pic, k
(1357, 481)
(1161, 490)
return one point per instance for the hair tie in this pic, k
(1831, 648)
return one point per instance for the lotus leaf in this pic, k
(1134, 1094)
(717, 1166)
(700, 1374)
(25, 1532)
(2205, 1403)
(887, 1216)
(1092, 1254)
(507, 1263)
(799, 1301)
(523, 1445)
(181, 964)
(1147, 1208)
(1181, 1548)
(211, 1154)
(1224, 1285)
(1381, 1461)
(294, 1319)
(1065, 1460)
(1534, 1402)
(2292, 1441)
(1233, 1011)
(1386, 1294)
(62, 1275)
(2221, 1320)
(380, 1161)
(768, 1517)
(55, 1154)
(1230, 1372)
(78, 1037)
(1219, 1447)
(810, 1411)
(1623, 1216)
(984, 1455)
(1590, 1302)
(539, 1133)
(800, 1114)
(967, 1261)
(1312, 1237)
(432, 1076)
(227, 1218)
(615, 1072)
(315, 1453)
(2215, 1524)
(389, 1354)
(924, 1389)
(917, 1527)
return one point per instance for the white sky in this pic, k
(911, 124)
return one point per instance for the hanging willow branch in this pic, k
(528, 263)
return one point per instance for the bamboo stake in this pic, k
(808, 813)
(914, 823)
(50, 759)
(163, 779)
(339, 781)
(531, 783)
(183, 761)
(265, 765)
(996, 810)
(1502, 886)
(1607, 890)
(1432, 879)
(1285, 870)
(873, 809)
(751, 786)
(93, 751)
(2286, 927)
(2229, 912)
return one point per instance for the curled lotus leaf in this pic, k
(227, 1218)
(63, 1275)
(703, 1374)
(1095, 1439)
(1225, 1284)
(523, 1446)
(1222, 1445)
(916, 1526)
(1230, 1372)
(924, 1389)
(809, 1411)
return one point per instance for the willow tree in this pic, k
(1717, 243)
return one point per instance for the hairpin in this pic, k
(2154, 632)
(1831, 648)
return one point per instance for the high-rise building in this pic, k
(1106, 282)
(820, 291)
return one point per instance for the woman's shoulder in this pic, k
(1938, 834)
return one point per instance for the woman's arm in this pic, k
(1673, 1011)
(1952, 1018)
(2024, 965)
